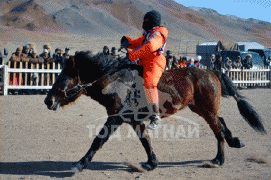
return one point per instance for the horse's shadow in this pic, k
(58, 169)
(62, 169)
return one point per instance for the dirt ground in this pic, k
(40, 144)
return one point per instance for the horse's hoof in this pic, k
(148, 166)
(78, 167)
(236, 143)
(216, 162)
(75, 170)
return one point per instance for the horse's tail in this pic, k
(245, 109)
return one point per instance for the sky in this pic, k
(256, 9)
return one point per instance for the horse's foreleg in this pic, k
(109, 128)
(152, 162)
(233, 142)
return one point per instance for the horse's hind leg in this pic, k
(233, 142)
(140, 130)
(215, 125)
(109, 128)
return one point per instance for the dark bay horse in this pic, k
(117, 85)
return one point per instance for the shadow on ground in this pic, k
(61, 169)
(58, 169)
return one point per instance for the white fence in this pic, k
(248, 77)
(28, 76)
(23, 76)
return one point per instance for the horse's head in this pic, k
(64, 90)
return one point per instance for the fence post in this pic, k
(5, 80)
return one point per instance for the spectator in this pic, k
(76, 52)
(171, 61)
(197, 61)
(105, 50)
(65, 58)
(15, 57)
(175, 63)
(191, 63)
(67, 51)
(183, 62)
(238, 64)
(26, 50)
(227, 65)
(247, 62)
(48, 48)
(45, 54)
(180, 59)
(212, 62)
(218, 63)
(26, 53)
(46, 57)
(114, 52)
(58, 58)
(35, 59)
(32, 47)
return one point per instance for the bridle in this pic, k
(78, 88)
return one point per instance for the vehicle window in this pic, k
(267, 53)
(256, 59)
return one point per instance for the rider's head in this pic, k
(151, 19)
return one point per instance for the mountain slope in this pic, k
(114, 18)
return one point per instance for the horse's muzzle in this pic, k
(52, 103)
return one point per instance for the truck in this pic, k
(205, 50)
(265, 54)
(256, 59)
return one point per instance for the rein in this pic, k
(79, 88)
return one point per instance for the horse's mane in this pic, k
(106, 64)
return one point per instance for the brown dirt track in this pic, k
(40, 144)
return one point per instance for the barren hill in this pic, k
(89, 20)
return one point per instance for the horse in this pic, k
(118, 86)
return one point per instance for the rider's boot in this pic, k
(155, 118)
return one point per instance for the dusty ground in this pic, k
(40, 144)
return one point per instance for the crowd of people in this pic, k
(29, 54)
(173, 62)
(217, 64)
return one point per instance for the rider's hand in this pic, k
(124, 42)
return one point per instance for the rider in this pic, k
(148, 50)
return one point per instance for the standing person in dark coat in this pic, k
(106, 50)
(114, 52)
(218, 63)
(171, 61)
(212, 62)
(67, 52)
(58, 57)
(238, 64)
(26, 50)
(247, 62)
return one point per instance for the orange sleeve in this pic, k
(135, 43)
(156, 42)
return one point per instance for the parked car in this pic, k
(256, 59)
(265, 54)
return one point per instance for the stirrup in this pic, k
(155, 122)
